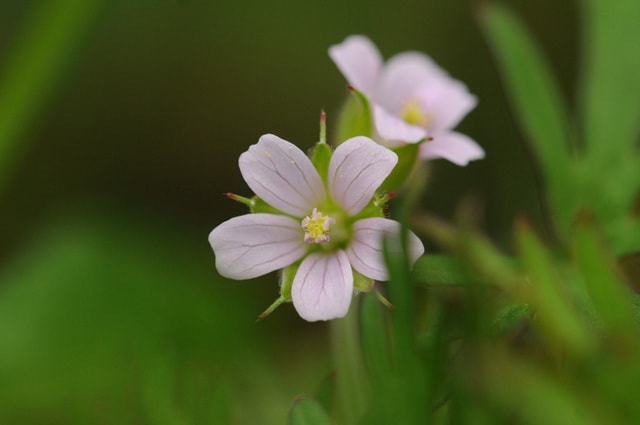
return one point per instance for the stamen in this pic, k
(413, 113)
(316, 227)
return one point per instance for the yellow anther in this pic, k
(413, 113)
(316, 227)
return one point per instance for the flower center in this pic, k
(316, 227)
(413, 113)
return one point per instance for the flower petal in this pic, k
(356, 170)
(447, 101)
(359, 60)
(401, 77)
(366, 249)
(455, 147)
(281, 174)
(323, 286)
(255, 244)
(393, 128)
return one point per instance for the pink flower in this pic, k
(411, 99)
(323, 224)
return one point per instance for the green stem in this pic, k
(352, 389)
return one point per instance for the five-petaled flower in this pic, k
(322, 224)
(411, 99)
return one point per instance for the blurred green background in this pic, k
(120, 127)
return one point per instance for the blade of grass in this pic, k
(555, 314)
(611, 80)
(533, 90)
(611, 299)
(535, 97)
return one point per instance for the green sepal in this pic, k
(260, 206)
(362, 283)
(272, 308)
(354, 118)
(407, 159)
(371, 210)
(320, 158)
(286, 280)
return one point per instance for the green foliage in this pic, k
(536, 97)
(609, 104)
(354, 118)
(352, 393)
(105, 318)
(407, 162)
(442, 270)
(602, 173)
(560, 329)
(119, 321)
(320, 158)
(549, 336)
(308, 412)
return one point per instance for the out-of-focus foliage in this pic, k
(595, 167)
(547, 336)
(308, 412)
(114, 313)
(544, 339)
(108, 318)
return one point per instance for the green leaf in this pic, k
(548, 295)
(535, 97)
(613, 186)
(412, 377)
(532, 88)
(610, 298)
(306, 411)
(611, 81)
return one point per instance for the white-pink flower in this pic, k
(322, 224)
(411, 99)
